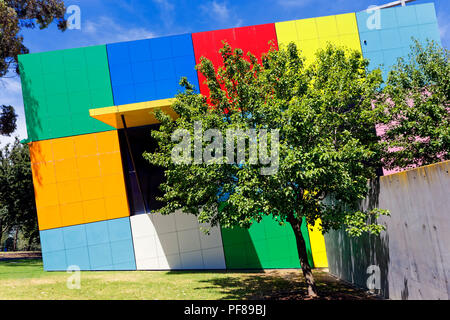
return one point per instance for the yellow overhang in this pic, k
(135, 114)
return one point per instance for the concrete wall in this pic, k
(413, 254)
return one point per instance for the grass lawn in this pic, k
(25, 279)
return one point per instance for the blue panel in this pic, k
(370, 41)
(100, 256)
(388, 18)
(97, 233)
(54, 261)
(131, 265)
(119, 229)
(426, 13)
(118, 53)
(78, 257)
(139, 50)
(150, 69)
(406, 33)
(161, 48)
(74, 236)
(376, 59)
(52, 240)
(123, 253)
(121, 74)
(142, 72)
(429, 32)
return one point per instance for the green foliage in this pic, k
(14, 15)
(417, 115)
(328, 144)
(8, 119)
(17, 205)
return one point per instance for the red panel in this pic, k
(254, 39)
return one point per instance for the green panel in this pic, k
(265, 245)
(59, 88)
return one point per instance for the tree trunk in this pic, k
(301, 248)
(15, 239)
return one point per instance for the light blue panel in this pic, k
(390, 39)
(388, 18)
(406, 34)
(51, 240)
(407, 16)
(376, 59)
(100, 256)
(78, 257)
(153, 68)
(97, 233)
(55, 260)
(370, 41)
(75, 236)
(119, 229)
(131, 265)
(123, 253)
(429, 32)
(426, 13)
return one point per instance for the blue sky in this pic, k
(106, 21)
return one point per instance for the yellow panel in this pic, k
(315, 33)
(318, 249)
(326, 27)
(286, 32)
(135, 114)
(307, 29)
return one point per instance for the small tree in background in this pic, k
(17, 205)
(417, 117)
(328, 147)
(14, 15)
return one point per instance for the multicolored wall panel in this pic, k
(81, 168)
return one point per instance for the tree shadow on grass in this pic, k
(283, 286)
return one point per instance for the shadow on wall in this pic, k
(363, 261)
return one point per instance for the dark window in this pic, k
(150, 177)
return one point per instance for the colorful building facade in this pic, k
(88, 122)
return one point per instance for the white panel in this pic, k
(148, 264)
(189, 240)
(142, 225)
(214, 258)
(145, 247)
(185, 221)
(167, 244)
(211, 240)
(163, 224)
(192, 260)
(170, 262)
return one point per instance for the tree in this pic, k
(417, 118)
(321, 116)
(17, 205)
(14, 15)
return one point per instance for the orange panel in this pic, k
(71, 214)
(91, 188)
(49, 217)
(108, 142)
(94, 210)
(72, 176)
(66, 170)
(116, 207)
(86, 145)
(88, 167)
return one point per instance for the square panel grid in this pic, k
(315, 33)
(254, 39)
(391, 39)
(59, 88)
(78, 180)
(264, 245)
(150, 69)
(105, 245)
(175, 242)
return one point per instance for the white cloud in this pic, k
(11, 94)
(106, 30)
(221, 13)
